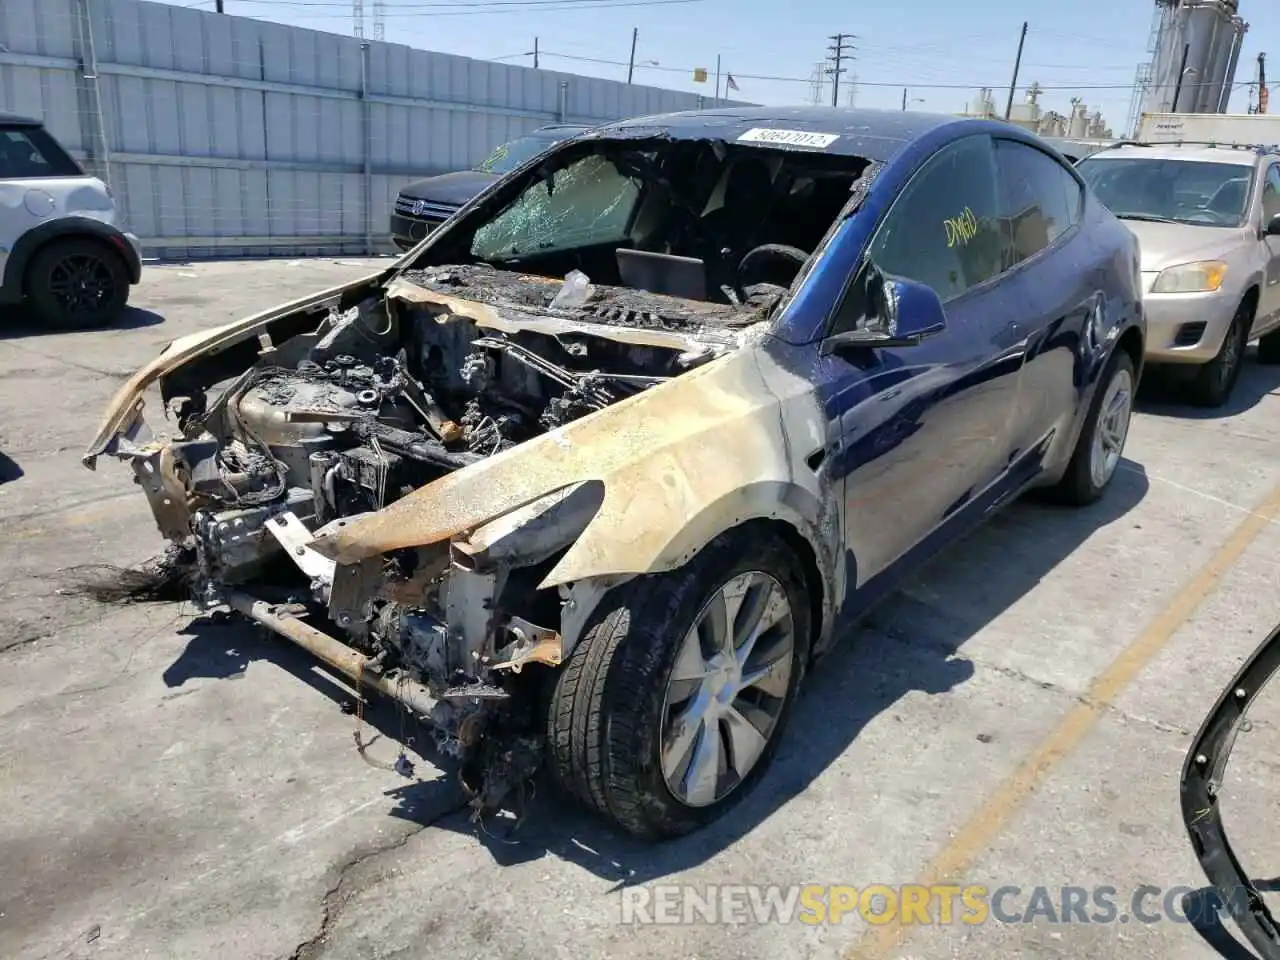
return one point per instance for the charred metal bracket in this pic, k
(293, 535)
(351, 595)
(155, 472)
(530, 644)
(1202, 777)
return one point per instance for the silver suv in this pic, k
(1208, 221)
(61, 251)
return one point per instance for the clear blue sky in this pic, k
(940, 50)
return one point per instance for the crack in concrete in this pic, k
(335, 898)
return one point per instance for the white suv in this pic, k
(60, 249)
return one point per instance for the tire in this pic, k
(610, 706)
(1269, 348)
(1214, 381)
(1109, 416)
(52, 284)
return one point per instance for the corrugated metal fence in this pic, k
(224, 135)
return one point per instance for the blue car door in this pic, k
(1058, 277)
(925, 429)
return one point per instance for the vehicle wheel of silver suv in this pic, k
(1214, 381)
(77, 283)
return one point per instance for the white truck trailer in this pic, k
(1244, 128)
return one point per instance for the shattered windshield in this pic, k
(587, 203)
(1170, 190)
(510, 155)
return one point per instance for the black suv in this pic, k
(425, 204)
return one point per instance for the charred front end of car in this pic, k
(430, 478)
(381, 400)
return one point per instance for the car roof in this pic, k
(1245, 156)
(15, 120)
(874, 134)
(558, 130)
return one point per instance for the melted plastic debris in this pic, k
(163, 579)
(617, 306)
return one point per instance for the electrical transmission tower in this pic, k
(842, 49)
(357, 18)
(817, 82)
(379, 20)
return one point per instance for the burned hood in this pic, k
(126, 405)
(679, 463)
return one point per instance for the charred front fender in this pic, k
(677, 465)
(122, 416)
(1203, 773)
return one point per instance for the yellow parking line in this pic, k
(880, 942)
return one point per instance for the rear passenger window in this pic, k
(1041, 199)
(942, 230)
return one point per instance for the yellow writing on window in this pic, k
(961, 229)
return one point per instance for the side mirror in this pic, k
(1273, 227)
(904, 312)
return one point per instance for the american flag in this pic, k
(732, 84)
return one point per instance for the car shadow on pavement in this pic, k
(916, 649)
(1162, 394)
(221, 647)
(23, 323)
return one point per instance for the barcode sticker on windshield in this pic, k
(789, 138)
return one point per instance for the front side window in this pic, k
(1171, 190)
(1271, 194)
(1042, 200)
(943, 229)
(513, 153)
(30, 152)
(585, 204)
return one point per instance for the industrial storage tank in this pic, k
(1197, 49)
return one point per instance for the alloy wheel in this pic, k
(81, 284)
(1112, 427)
(727, 689)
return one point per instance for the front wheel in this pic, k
(670, 708)
(1215, 380)
(1101, 444)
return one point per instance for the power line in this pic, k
(862, 83)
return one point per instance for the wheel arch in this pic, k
(794, 514)
(31, 243)
(1132, 342)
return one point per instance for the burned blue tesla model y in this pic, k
(594, 474)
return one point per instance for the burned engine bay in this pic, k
(376, 402)
(519, 319)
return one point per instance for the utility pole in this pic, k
(716, 102)
(838, 56)
(535, 53)
(631, 64)
(904, 99)
(1017, 65)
